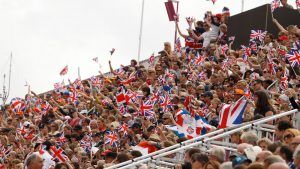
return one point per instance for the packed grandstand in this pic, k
(214, 107)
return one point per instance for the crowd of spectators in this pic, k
(100, 121)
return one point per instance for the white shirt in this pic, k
(206, 38)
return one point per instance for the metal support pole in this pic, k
(141, 32)
(243, 3)
(175, 37)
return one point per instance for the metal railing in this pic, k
(205, 142)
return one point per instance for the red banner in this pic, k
(170, 10)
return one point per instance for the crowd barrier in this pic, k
(219, 137)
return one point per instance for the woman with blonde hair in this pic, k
(289, 135)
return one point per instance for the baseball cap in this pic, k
(240, 160)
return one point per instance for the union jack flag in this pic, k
(151, 59)
(61, 139)
(111, 138)
(202, 76)
(17, 105)
(257, 34)
(57, 86)
(253, 46)
(123, 109)
(275, 4)
(198, 59)
(146, 109)
(246, 50)
(73, 97)
(165, 102)
(77, 83)
(294, 58)
(58, 154)
(213, 1)
(64, 71)
(96, 81)
(296, 46)
(131, 97)
(123, 128)
(169, 75)
(86, 142)
(225, 64)
(177, 45)
(284, 80)
(224, 48)
(161, 79)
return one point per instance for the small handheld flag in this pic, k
(64, 71)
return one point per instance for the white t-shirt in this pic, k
(214, 32)
(206, 38)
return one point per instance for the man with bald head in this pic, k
(272, 159)
(241, 148)
(278, 165)
(34, 161)
(261, 156)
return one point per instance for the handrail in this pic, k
(201, 140)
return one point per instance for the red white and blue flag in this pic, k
(58, 154)
(146, 109)
(123, 128)
(64, 71)
(177, 46)
(151, 59)
(258, 34)
(232, 114)
(275, 4)
(298, 3)
(190, 126)
(294, 58)
(198, 59)
(17, 105)
(165, 102)
(111, 138)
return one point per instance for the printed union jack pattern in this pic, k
(294, 58)
(17, 105)
(258, 34)
(111, 138)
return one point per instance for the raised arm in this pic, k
(194, 35)
(180, 33)
(280, 27)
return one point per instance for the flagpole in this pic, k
(243, 3)
(177, 2)
(141, 31)
(78, 73)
